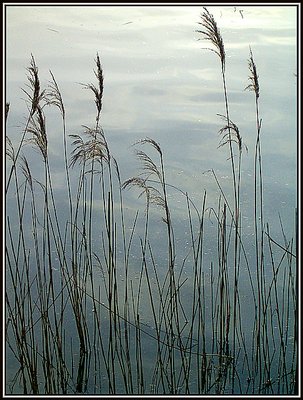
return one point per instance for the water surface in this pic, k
(161, 81)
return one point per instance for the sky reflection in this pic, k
(160, 81)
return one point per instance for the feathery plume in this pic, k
(212, 33)
(253, 78)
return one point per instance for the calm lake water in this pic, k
(162, 82)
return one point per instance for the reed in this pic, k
(95, 306)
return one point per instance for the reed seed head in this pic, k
(37, 127)
(94, 148)
(34, 95)
(98, 90)
(212, 33)
(9, 149)
(53, 95)
(231, 133)
(152, 142)
(6, 110)
(253, 78)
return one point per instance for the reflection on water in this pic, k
(159, 83)
(177, 291)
